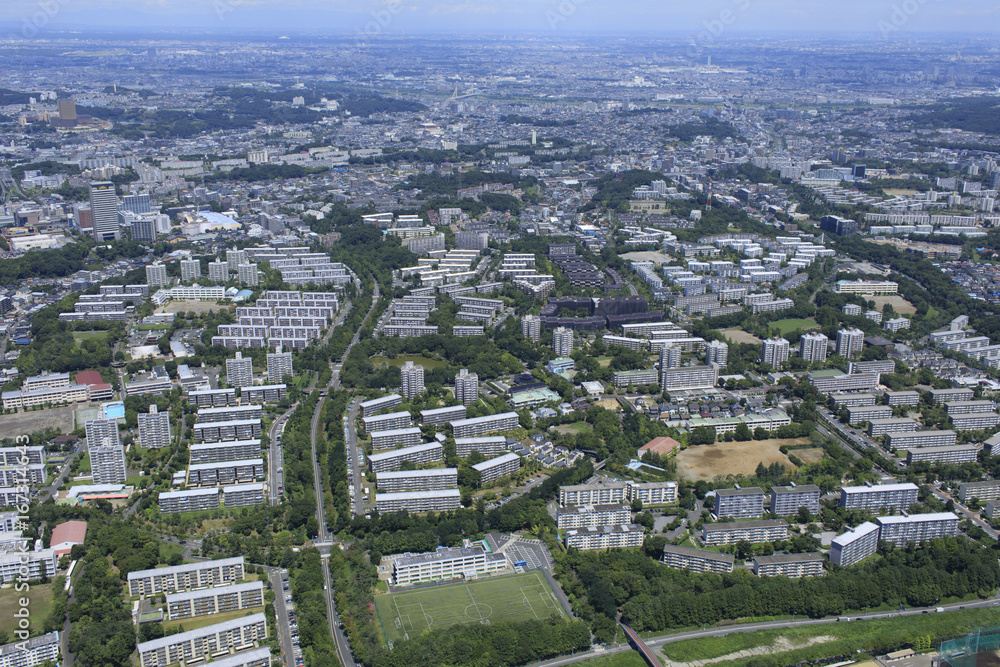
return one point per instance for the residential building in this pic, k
(392, 460)
(850, 342)
(223, 599)
(107, 463)
(942, 396)
(903, 398)
(670, 357)
(977, 421)
(880, 427)
(264, 393)
(218, 271)
(501, 466)
(832, 380)
(466, 387)
(21, 566)
(578, 516)
(589, 538)
(916, 527)
(697, 560)
(387, 422)
(877, 366)
(419, 502)
(652, 493)
(562, 341)
(446, 563)
(593, 494)
(488, 446)
(689, 377)
(246, 274)
(879, 497)
(239, 371)
(243, 495)
(717, 354)
(855, 545)
(786, 500)
(896, 324)
(789, 565)
(154, 428)
(191, 500)
(239, 429)
(225, 472)
(413, 380)
(948, 455)
(279, 364)
(100, 431)
(985, 490)
(774, 351)
(475, 426)
(766, 530)
(104, 211)
(203, 642)
(739, 503)
(156, 275)
(190, 270)
(861, 414)
(395, 437)
(873, 287)
(442, 415)
(31, 652)
(531, 327)
(912, 439)
(813, 347)
(417, 480)
(143, 583)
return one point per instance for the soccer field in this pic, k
(517, 597)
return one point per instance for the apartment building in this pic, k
(789, 565)
(593, 494)
(264, 393)
(501, 466)
(107, 464)
(858, 415)
(218, 452)
(589, 538)
(20, 566)
(230, 413)
(832, 380)
(903, 398)
(442, 415)
(387, 422)
(417, 502)
(969, 407)
(943, 396)
(213, 398)
(243, 495)
(739, 503)
(466, 387)
(638, 378)
(579, 516)
(766, 530)
(977, 421)
(446, 563)
(954, 454)
(876, 366)
(225, 472)
(850, 342)
(488, 446)
(854, 400)
(379, 405)
(417, 480)
(985, 490)
(203, 642)
(916, 527)
(652, 493)
(239, 371)
(786, 500)
(914, 439)
(418, 454)
(15, 456)
(880, 427)
(813, 347)
(31, 652)
(189, 576)
(889, 497)
(697, 560)
(190, 604)
(855, 545)
(279, 364)
(476, 426)
(689, 377)
(154, 428)
(395, 437)
(241, 429)
(193, 500)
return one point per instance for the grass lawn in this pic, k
(80, 336)
(202, 621)
(168, 549)
(575, 428)
(84, 464)
(604, 362)
(626, 659)
(848, 637)
(517, 597)
(784, 326)
(40, 606)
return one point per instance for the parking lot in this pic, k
(533, 553)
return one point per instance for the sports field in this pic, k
(517, 597)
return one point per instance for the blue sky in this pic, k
(895, 17)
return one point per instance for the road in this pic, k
(275, 577)
(60, 479)
(275, 460)
(965, 512)
(659, 642)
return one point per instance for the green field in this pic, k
(516, 597)
(80, 336)
(784, 326)
(40, 606)
(626, 659)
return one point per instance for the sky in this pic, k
(885, 18)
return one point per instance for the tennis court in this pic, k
(516, 597)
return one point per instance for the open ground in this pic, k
(24, 423)
(732, 458)
(899, 304)
(647, 256)
(198, 307)
(740, 336)
(516, 597)
(40, 605)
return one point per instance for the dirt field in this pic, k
(732, 458)
(740, 336)
(656, 258)
(812, 455)
(192, 306)
(902, 306)
(23, 423)
(609, 404)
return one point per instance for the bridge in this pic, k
(636, 642)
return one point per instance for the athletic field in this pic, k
(517, 597)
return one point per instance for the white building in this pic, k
(446, 563)
(154, 428)
(412, 377)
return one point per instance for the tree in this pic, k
(742, 432)
(804, 515)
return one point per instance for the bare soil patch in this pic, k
(733, 458)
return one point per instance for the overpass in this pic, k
(636, 642)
